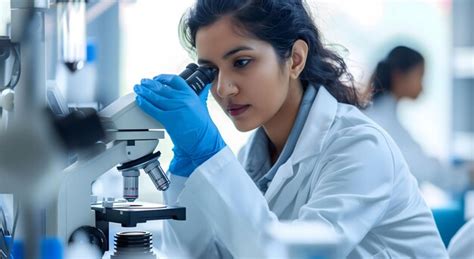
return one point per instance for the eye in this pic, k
(241, 63)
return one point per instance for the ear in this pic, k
(298, 57)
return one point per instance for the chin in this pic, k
(243, 126)
(416, 96)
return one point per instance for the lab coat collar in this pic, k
(316, 127)
(309, 144)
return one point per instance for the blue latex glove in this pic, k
(182, 164)
(170, 100)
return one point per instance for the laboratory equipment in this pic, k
(133, 244)
(9, 77)
(189, 70)
(71, 16)
(33, 150)
(201, 77)
(131, 139)
(29, 150)
(151, 166)
(9, 63)
(197, 78)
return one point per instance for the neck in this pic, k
(397, 92)
(279, 127)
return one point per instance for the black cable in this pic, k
(16, 69)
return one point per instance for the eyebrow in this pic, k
(226, 55)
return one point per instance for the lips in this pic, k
(235, 109)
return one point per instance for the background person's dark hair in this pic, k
(279, 23)
(400, 59)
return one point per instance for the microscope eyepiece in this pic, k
(188, 71)
(199, 78)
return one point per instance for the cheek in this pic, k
(265, 88)
(415, 84)
(266, 94)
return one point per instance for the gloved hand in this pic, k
(170, 100)
(182, 164)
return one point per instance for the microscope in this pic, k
(57, 202)
(131, 140)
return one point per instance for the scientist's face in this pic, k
(412, 81)
(251, 85)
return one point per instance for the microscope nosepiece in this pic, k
(151, 166)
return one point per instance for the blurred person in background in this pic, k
(398, 76)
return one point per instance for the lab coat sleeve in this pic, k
(462, 244)
(350, 196)
(354, 186)
(192, 238)
(232, 203)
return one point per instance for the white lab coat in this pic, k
(462, 244)
(345, 172)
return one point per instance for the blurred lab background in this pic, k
(133, 39)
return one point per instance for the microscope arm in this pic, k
(131, 134)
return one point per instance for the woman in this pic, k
(314, 156)
(399, 76)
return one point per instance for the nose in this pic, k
(225, 86)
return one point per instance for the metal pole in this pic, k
(28, 30)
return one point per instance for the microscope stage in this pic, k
(129, 214)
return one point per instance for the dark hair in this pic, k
(400, 59)
(279, 23)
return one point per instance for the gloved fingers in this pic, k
(151, 96)
(174, 81)
(152, 84)
(149, 108)
(158, 88)
(163, 103)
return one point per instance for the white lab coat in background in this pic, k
(462, 244)
(345, 172)
(422, 166)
